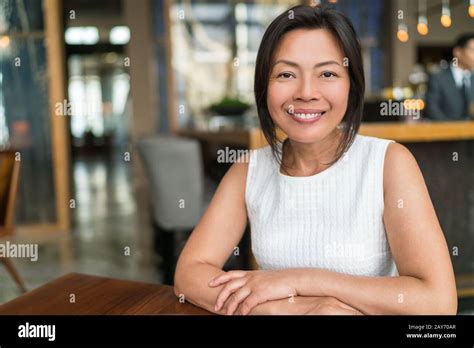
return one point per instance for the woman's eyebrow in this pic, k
(289, 62)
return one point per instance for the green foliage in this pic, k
(229, 107)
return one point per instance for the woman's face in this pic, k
(309, 85)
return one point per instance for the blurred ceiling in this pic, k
(99, 13)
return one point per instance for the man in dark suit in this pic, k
(450, 94)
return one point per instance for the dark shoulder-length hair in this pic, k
(307, 17)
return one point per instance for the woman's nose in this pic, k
(307, 90)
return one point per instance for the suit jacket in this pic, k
(444, 99)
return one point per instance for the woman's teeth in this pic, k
(306, 116)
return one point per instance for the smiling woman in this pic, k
(310, 47)
(340, 223)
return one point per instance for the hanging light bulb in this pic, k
(4, 41)
(471, 8)
(402, 33)
(446, 14)
(422, 26)
(446, 21)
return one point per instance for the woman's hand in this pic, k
(331, 306)
(302, 305)
(298, 305)
(247, 289)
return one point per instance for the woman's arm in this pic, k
(300, 305)
(212, 241)
(426, 283)
(297, 305)
(378, 295)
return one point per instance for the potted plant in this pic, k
(228, 106)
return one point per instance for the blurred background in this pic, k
(116, 110)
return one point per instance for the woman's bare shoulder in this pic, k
(399, 165)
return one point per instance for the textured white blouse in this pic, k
(332, 220)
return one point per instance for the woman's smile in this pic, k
(305, 115)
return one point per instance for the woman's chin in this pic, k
(306, 136)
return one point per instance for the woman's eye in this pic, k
(286, 75)
(328, 74)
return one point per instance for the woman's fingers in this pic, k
(225, 277)
(349, 308)
(329, 309)
(236, 299)
(250, 302)
(346, 306)
(229, 289)
(343, 311)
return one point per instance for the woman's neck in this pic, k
(303, 159)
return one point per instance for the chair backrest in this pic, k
(9, 173)
(174, 170)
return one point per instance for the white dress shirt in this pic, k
(460, 74)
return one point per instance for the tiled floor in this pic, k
(106, 222)
(110, 215)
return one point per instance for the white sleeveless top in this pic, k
(332, 220)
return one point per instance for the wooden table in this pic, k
(98, 295)
(399, 131)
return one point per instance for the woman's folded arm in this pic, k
(213, 240)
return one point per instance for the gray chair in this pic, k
(174, 170)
